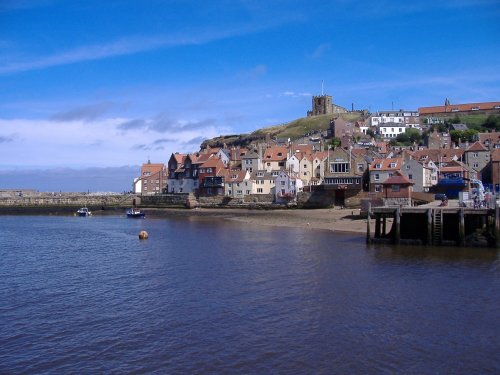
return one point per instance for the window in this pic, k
(475, 154)
(260, 174)
(410, 176)
(395, 188)
(392, 165)
(305, 173)
(475, 108)
(377, 188)
(281, 164)
(378, 165)
(209, 170)
(282, 183)
(408, 166)
(305, 165)
(259, 190)
(376, 177)
(339, 167)
(360, 167)
(475, 165)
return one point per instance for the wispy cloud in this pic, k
(84, 113)
(293, 94)
(256, 72)
(4, 139)
(321, 50)
(163, 124)
(131, 45)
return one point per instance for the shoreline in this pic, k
(331, 219)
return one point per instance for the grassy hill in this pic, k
(294, 129)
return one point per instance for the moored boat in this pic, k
(84, 211)
(135, 213)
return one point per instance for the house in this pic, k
(211, 177)
(454, 169)
(344, 174)
(287, 185)
(154, 178)
(390, 130)
(477, 157)
(238, 184)
(460, 127)
(402, 117)
(275, 158)
(182, 173)
(438, 140)
(251, 161)
(380, 170)
(423, 174)
(318, 166)
(397, 190)
(490, 140)
(263, 182)
(439, 113)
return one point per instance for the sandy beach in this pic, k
(332, 219)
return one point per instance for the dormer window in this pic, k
(392, 165)
(378, 165)
(260, 174)
(280, 154)
(475, 108)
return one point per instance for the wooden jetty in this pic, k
(434, 226)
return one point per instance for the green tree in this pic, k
(335, 142)
(409, 137)
(492, 122)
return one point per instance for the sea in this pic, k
(83, 295)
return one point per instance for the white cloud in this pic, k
(82, 143)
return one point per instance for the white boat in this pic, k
(84, 211)
(135, 213)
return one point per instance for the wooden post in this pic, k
(377, 225)
(368, 231)
(397, 222)
(497, 226)
(429, 226)
(461, 227)
(384, 225)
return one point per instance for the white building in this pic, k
(287, 187)
(409, 118)
(390, 130)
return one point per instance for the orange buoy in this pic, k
(143, 235)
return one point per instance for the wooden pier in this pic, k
(434, 226)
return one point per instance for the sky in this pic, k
(92, 89)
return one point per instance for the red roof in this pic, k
(458, 108)
(476, 146)
(397, 179)
(385, 164)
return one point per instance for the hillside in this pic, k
(294, 129)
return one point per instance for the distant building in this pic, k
(437, 114)
(323, 105)
(154, 178)
(410, 119)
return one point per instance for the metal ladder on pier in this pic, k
(437, 237)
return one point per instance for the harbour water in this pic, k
(85, 295)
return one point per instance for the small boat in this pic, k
(135, 213)
(84, 211)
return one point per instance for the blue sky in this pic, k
(105, 85)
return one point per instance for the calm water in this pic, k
(84, 295)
